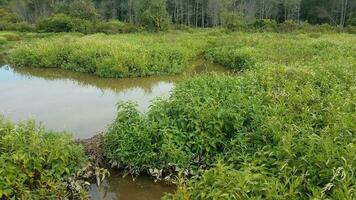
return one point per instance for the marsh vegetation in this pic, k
(279, 123)
(283, 128)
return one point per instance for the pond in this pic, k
(84, 105)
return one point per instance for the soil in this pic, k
(94, 149)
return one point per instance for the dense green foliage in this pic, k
(11, 21)
(64, 23)
(283, 129)
(82, 9)
(156, 15)
(112, 56)
(35, 163)
(196, 13)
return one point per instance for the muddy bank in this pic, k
(112, 183)
(94, 149)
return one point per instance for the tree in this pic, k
(153, 15)
(83, 9)
(198, 13)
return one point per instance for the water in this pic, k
(119, 188)
(76, 102)
(84, 105)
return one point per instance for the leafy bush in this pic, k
(35, 163)
(64, 23)
(129, 129)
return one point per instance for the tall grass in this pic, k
(168, 53)
(112, 56)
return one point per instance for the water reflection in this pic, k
(80, 103)
(119, 188)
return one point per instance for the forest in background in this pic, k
(196, 13)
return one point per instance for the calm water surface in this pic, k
(76, 102)
(84, 105)
(80, 103)
(119, 188)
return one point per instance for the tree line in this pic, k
(197, 13)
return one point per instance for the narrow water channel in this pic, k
(84, 105)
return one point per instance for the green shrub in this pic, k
(129, 129)
(35, 164)
(63, 23)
